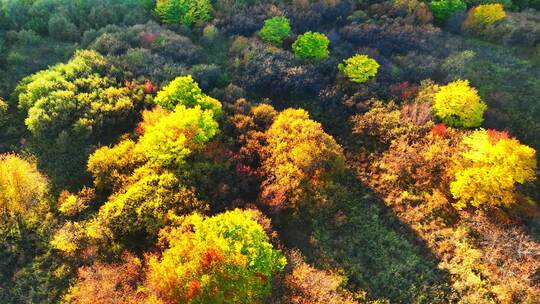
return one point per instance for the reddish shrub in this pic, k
(210, 258)
(147, 39)
(149, 87)
(404, 90)
(439, 129)
(194, 289)
(495, 136)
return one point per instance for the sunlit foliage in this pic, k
(275, 30)
(78, 97)
(299, 156)
(143, 207)
(185, 91)
(184, 12)
(457, 104)
(311, 45)
(216, 259)
(22, 187)
(174, 137)
(488, 171)
(485, 15)
(359, 68)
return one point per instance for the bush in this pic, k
(442, 9)
(275, 30)
(311, 45)
(184, 12)
(489, 169)
(359, 68)
(485, 15)
(458, 105)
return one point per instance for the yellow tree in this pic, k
(299, 156)
(458, 105)
(22, 187)
(489, 169)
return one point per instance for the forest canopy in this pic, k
(269, 151)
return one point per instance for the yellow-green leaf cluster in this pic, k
(359, 68)
(185, 91)
(174, 137)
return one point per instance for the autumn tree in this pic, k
(485, 15)
(70, 106)
(78, 97)
(299, 157)
(144, 177)
(457, 104)
(224, 258)
(108, 283)
(22, 187)
(489, 169)
(3, 112)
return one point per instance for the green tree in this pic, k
(442, 9)
(275, 30)
(184, 12)
(224, 258)
(311, 45)
(359, 68)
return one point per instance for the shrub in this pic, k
(485, 15)
(442, 9)
(489, 169)
(227, 256)
(359, 68)
(458, 105)
(275, 30)
(311, 45)
(184, 12)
